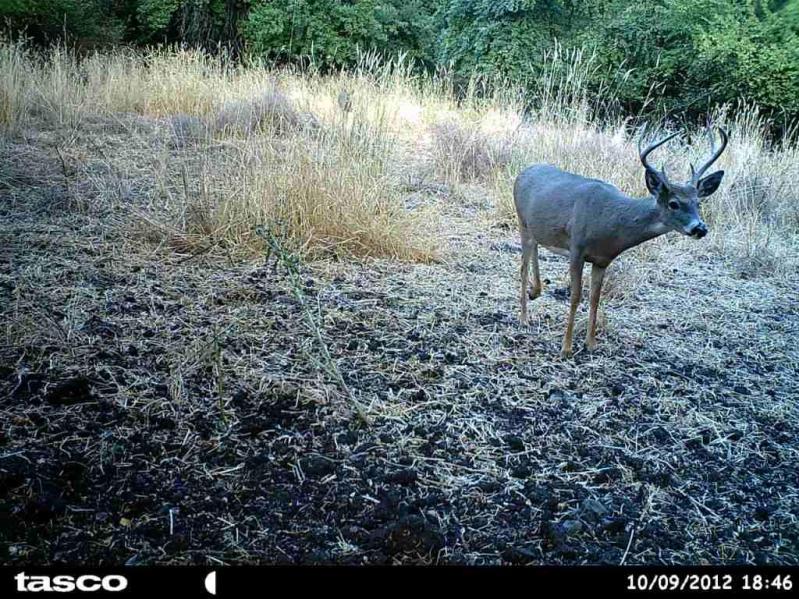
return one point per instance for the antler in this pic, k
(651, 147)
(696, 174)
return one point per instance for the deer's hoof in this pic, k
(590, 345)
(534, 293)
(566, 353)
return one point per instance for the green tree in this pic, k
(46, 21)
(755, 56)
(333, 32)
(697, 53)
(502, 37)
(199, 23)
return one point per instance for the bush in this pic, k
(311, 192)
(336, 33)
(465, 153)
(46, 21)
(272, 109)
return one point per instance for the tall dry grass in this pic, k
(273, 146)
(333, 192)
(254, 147)
(13, 84)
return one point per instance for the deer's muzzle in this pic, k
(699, 231)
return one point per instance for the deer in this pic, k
(590, 220)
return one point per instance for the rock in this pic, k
(763, 512)
(515, 442)
(735, 435)
(317, 465)
(558, 532)
(409, 534)
(571, 527)
(518, 555)
(72, 391)
(349, 437)
(561, 294)
(607, 474)
(592, 510)
(521, 471)
(660, 434)
(406, 476)
(614, 526)
(558, 396)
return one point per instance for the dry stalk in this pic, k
(290, 261)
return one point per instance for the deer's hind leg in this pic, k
(529, 252)
(535, 291)
(597, 274)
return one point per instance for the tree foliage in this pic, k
(703, 52)
(46, 21)
(334, 32)
(504, 37)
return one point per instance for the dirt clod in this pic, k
(71, 391)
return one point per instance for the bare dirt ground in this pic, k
(161, 409)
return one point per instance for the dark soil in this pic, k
(155, 409)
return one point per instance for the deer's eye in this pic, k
(674, 205)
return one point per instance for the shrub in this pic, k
(465, 153)
(272, 109)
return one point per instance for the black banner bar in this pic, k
(255, 581)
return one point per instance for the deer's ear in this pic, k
(708, 185)
(654, 182)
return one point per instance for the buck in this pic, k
(590, 220)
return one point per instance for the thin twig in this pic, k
(629, 544)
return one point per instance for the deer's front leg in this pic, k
(597, 274)
(576, 269)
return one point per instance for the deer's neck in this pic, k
(643, 222)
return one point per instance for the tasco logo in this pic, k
(69, 584)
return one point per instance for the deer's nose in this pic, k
(699, 231)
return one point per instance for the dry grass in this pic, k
(221, 149)
(753, 216)
(399, 128)
(462, 153)
(322, 194)
(271, 111)
(250, 149)
(13, 85)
